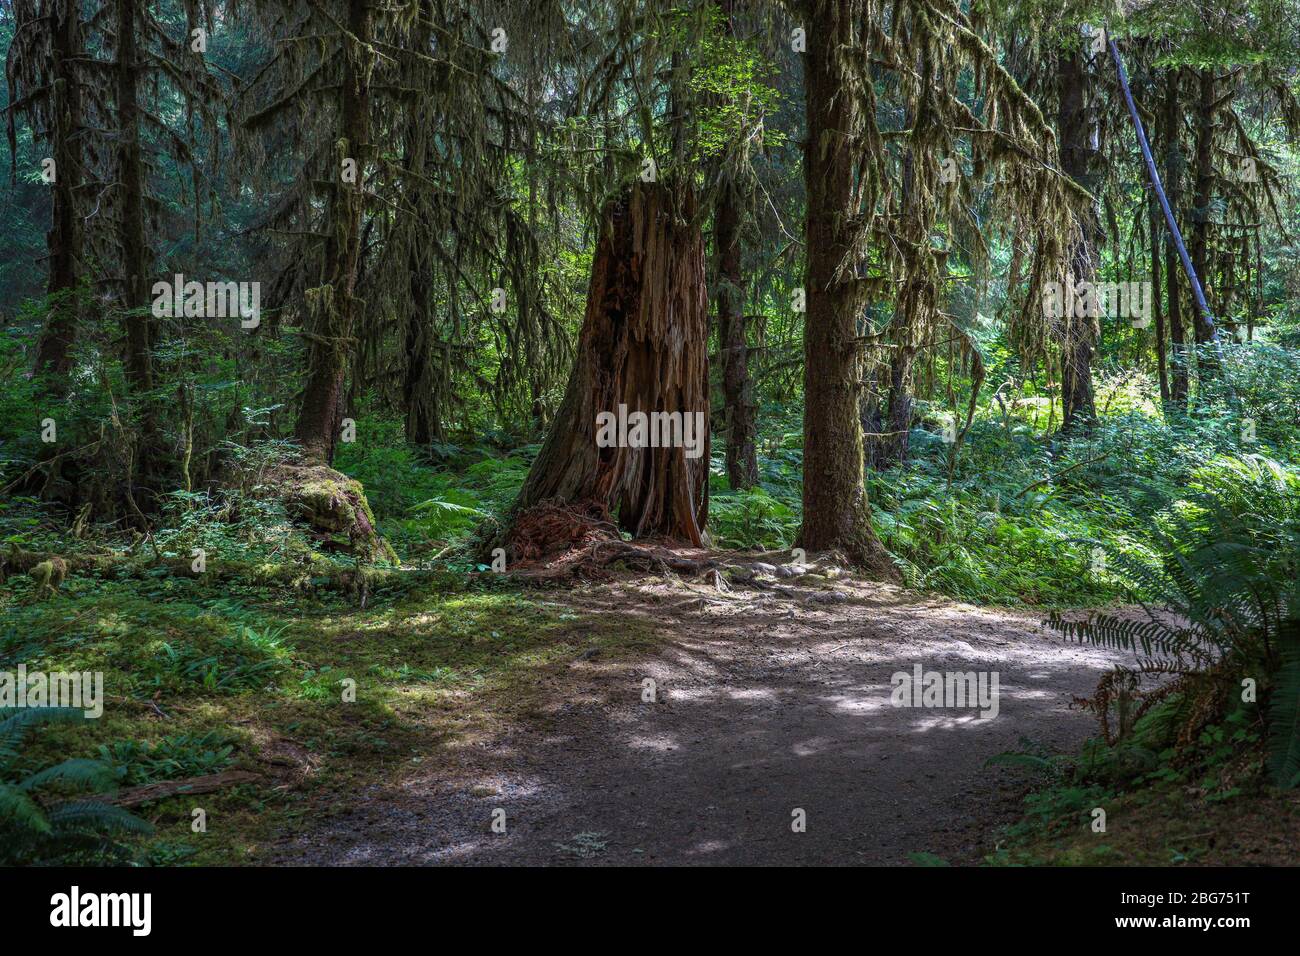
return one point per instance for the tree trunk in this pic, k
(835, 509)
(914, 303)
(421, 426)
(737, 388)
(643, 346)
(1204, 197)
(896, 443)
(1162, 370)
(137, 261)
(1078, 152)
(54, 348)
(422, 421)
(1173, 190)
(332, 308)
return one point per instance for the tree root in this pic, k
(547, 531)
(721, 570)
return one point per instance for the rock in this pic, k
(827, 597)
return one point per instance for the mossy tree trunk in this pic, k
(835, 510)
(915, 303)
(1171, 120)
(1077, 124)
(1162, 365)
(136, 256)
(422, 423)
(733, 344)
(1207, 108)
(64, 240)
(644, 345)
(332, 307)
(898, 421)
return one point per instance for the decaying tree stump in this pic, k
(330, 502)
(643, 346)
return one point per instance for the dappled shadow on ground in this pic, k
(768, 708)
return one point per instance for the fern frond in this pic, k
(16, 722)
(19, 812)
(94, 814)
(1284, 710)
(81, 772)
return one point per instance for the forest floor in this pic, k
(765, 703)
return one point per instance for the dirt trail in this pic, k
(765, 704)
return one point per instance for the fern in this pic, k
(96, 816)
(80, 773)
(15, 722)
(1216, 603)
(39, 823)
(19, 811)
(1284, 710)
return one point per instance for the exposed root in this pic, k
(545, 533)
(721, 571)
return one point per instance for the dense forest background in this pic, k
(855, 219)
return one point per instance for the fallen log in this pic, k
(207, 783)
(49, 570)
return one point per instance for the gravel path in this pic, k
(765, 704)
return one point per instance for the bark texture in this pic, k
(1079, 331)
(733, 345)
(332, 307)
(136, 256)
(64, 240)
(1206, 110)
(835, 510)
(644, 344)
(1170, 120)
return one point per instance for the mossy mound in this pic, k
(331, 503)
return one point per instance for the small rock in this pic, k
(827, 597)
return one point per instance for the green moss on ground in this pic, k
(1167, 826)
(265, 669)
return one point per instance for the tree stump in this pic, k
(643, 349)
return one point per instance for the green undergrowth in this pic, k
(1199, 756)
(1017, 515)
(1204, 804)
